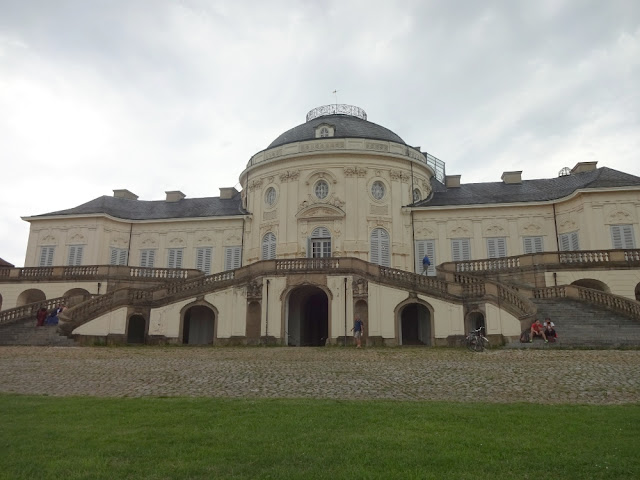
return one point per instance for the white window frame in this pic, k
(269, 246)
(569, 242)
(204, 256)
(148, 257)
(74, 255)
(232, 257)
(496, 247)
(460, 249)
(319, 243)
(118, 256)
(174, 257)
(533, 244)
(622, 236)
(46, 256)
(380, 247)
(428, 248)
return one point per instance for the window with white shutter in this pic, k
(428, 248)
(204, 255)
(380, 252)
(147, 258)
(174, 258)
(46, 256)
(622, 236)
(75, 255)
(232, 257)
(568, 242)
(319, 244)
(460, 249)
(533, 244)
(118, 256)
(269, 246)
(496, 247)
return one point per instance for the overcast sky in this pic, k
(164, 95)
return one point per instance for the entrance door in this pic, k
(198, 326)
(137, 329)
(415, 325)
(308, 318)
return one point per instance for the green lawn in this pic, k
(182, 438)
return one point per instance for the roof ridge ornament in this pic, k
(337, 109)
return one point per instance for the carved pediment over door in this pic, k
(320, 211)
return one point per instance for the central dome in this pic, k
(347, 122)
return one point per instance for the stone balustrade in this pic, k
(95, 273)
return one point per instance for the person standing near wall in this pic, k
(358, 329)
(426, 263)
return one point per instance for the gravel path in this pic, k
(539, 376)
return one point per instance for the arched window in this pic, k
(319, 244)
(269, 246)
(380, 247)
(417, 196)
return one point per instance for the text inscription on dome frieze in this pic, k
(319, 146)
(378, 147)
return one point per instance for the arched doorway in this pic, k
(198, 326)
(136, 329)
(30, 296)
(475, 320)
(638, 292)
(415, 325)
(308, 318)
(253, 322)
(593, 284)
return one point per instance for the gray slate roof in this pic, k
(541, 190)
(156, 209)
(346, 126)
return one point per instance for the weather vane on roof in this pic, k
(335, 92)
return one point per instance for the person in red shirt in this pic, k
(537, 330)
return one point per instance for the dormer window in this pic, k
(324, 130)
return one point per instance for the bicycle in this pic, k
(476, 342)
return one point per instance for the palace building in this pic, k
(333, 220)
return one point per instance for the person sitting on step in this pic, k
(537, 330)
(549, 330)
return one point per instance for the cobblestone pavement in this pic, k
(540, 376)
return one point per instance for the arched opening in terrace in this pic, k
(198, 325)
(136, 329)
(593, 284)
(308, 317)
(31, 295)
(415, 324)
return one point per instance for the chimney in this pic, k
(512, 177)
(228, 192)
(174, 196)
(124, 193)
(584, 167)
(452, 181)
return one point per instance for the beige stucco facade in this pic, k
(336, 187)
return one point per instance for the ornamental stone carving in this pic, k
(320, 146)
(253, 184)
(378, 147)
(354, 171)
(289, 176)
(254, 290)
(360, 287)
(399, 176)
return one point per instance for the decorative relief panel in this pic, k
(620, 216)
(254, 290)
(332, 200)
(458, 230)
(354, 171)
(399, 175)
(426, 188)
(531, 229)
(494, 230)
(253, 184)
(77, 238)
(566, 225)
(360, 287)
(176, 242)
(319, 146)
(289, 176)
(232, 239)
(205, 240)
(148, 242)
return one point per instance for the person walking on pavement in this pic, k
(358, 329)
